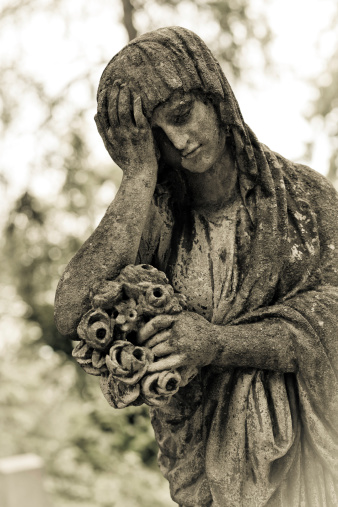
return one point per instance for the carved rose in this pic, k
(99, 360)
(142, 273)
(96, 328)
(126, 315)
(159, 299)
(158, 388)
(89, 359)
(108, 334)
(117, 393)
(159, 295)
(127, 362)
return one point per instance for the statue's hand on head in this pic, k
(128, 137)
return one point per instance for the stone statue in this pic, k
(250, 241)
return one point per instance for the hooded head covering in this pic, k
(160, 62)
(157, 63)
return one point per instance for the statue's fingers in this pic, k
(102, 103)
(106, 135)
(163, 349)
(171, 362)
(105, 132)
(140, 120)
(99, 126)
(160, 337)
(155, 325)
(113, 100)
(124, 107)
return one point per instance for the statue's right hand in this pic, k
(125, 130)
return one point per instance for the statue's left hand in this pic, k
(126, 131)
(186, 339)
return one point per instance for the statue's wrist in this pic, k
(143, 173)
(214, 340)
(225, 350)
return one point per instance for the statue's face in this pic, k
(188, 133)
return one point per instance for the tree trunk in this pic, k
(128, 11)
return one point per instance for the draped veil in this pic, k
(246, 436)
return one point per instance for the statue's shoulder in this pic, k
(302, 179)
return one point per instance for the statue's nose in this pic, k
(178, 138)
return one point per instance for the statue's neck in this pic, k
(215, 187)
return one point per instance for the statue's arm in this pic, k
(112, 246)
(264, 345)
(193, 341)
(115, 242)
(300, 332)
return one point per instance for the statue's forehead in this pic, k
(177, 99)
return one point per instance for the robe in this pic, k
(247, 436)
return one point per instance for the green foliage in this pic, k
(40, 236)
(94, 455)
(236, 26)
(326, 107)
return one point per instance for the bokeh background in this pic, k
(56, 181)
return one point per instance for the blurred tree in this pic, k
(325, 107)
(92, 455)
(236, 25)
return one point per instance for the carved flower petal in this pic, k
(128, 362)
(159, 384)
(164, 383)
(106, 294)
(160, 299)
(126, 312)
(89, 368)
(159, 295)
(120, 319)
(89, 359)
(82, 352)
(158, 401)
(96, 328)
(118, 394)
(134, 274)
(168, 382)
(99, 360)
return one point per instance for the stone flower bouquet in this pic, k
(109, 332)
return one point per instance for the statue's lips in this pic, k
(192, 153)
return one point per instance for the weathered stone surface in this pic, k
(251, 240)
(111, 346)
